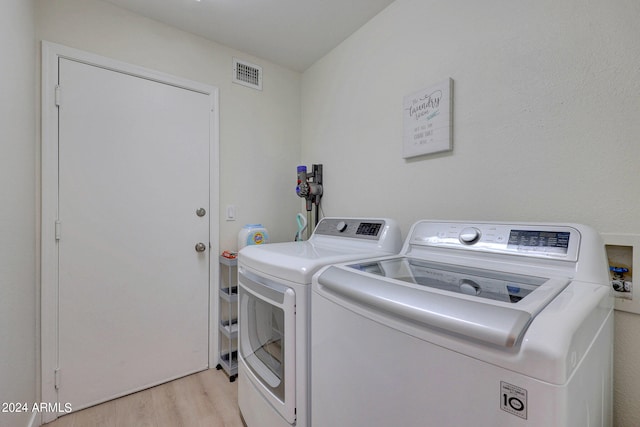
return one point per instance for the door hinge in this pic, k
(57, 95)
(58, 228)
(56, 379)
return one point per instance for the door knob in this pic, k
(201, 247)
(201, 212)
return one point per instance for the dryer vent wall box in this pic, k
(623, 251)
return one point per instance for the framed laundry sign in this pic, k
(428, 120)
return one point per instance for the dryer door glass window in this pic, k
(264, 346)
(267, 339)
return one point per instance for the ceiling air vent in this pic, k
(247, 74)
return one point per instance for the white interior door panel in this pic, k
(133, 291)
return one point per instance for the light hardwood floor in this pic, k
(203, 399)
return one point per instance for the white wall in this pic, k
(546, 125)
(259, 130)
(17, 208)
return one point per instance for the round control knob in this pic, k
(341, 226)
(469, 235)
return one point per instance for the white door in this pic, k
(133, 290)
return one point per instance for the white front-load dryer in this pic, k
(274, 313)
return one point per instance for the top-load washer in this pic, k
(473, 324)
(274, 302)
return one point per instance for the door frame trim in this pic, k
(51, 53)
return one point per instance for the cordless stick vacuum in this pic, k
(310, 188)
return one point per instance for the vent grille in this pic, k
(247, 74)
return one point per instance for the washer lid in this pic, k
(484, 305)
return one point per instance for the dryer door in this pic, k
(267, 339)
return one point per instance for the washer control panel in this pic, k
(544, 240)
(368, 229)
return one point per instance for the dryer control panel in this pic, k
(368, 229)
(535, 240)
